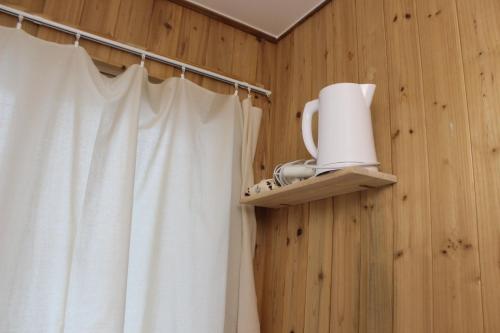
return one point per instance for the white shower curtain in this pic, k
(117, 197)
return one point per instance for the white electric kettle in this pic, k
(345, 134)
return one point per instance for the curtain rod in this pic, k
(130, 49)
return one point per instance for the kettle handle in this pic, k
(309, 109)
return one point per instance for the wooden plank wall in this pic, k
(421, 256)
(162, 27)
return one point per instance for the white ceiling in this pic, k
(272, 17)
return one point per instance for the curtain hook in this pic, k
(183, 69)
(236, 89)
(249, 92)
(19, 24)
(77, 39)
(143, 57)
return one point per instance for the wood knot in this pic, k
(350, 55)
(402, 88)
(405, 197)
(410, 131)
(444, 106)
(398, 254)
(262, 167)
(298, 114)
(287, 241)
(396, 134)
(299, 232)
(438, 12)
(407, 16)
(321, 276)
(395, 18)
(444, 252)
(167, 25)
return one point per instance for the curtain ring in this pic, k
(236, 89)
(183, 69)
(143, 57)
(77, 39)
(19, 24)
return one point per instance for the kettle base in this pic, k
(324, 168)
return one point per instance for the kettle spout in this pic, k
(368, 90)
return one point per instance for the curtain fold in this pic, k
(118, 197)
(248, 318)
(241, 299)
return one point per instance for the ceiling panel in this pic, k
(272, 17)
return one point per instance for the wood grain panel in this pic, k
(266, 74)
(245, 55)
(193, 39)
(345, 265)
(412, 309)
(67, 12)
(7, 21)
(295, 269)
(300, 85)
(163, 37)
(320, 244)
(295, 284)
(221, 40)
(456, 276)
(480, 44)
(276, 222)
(131, 27)
(100, 17)
(342, 66)
(274, 279)
(267, 69)
(376, 284)
(29, 5)
(391, 254)
(319, 266)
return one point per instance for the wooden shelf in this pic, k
(327, 185)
